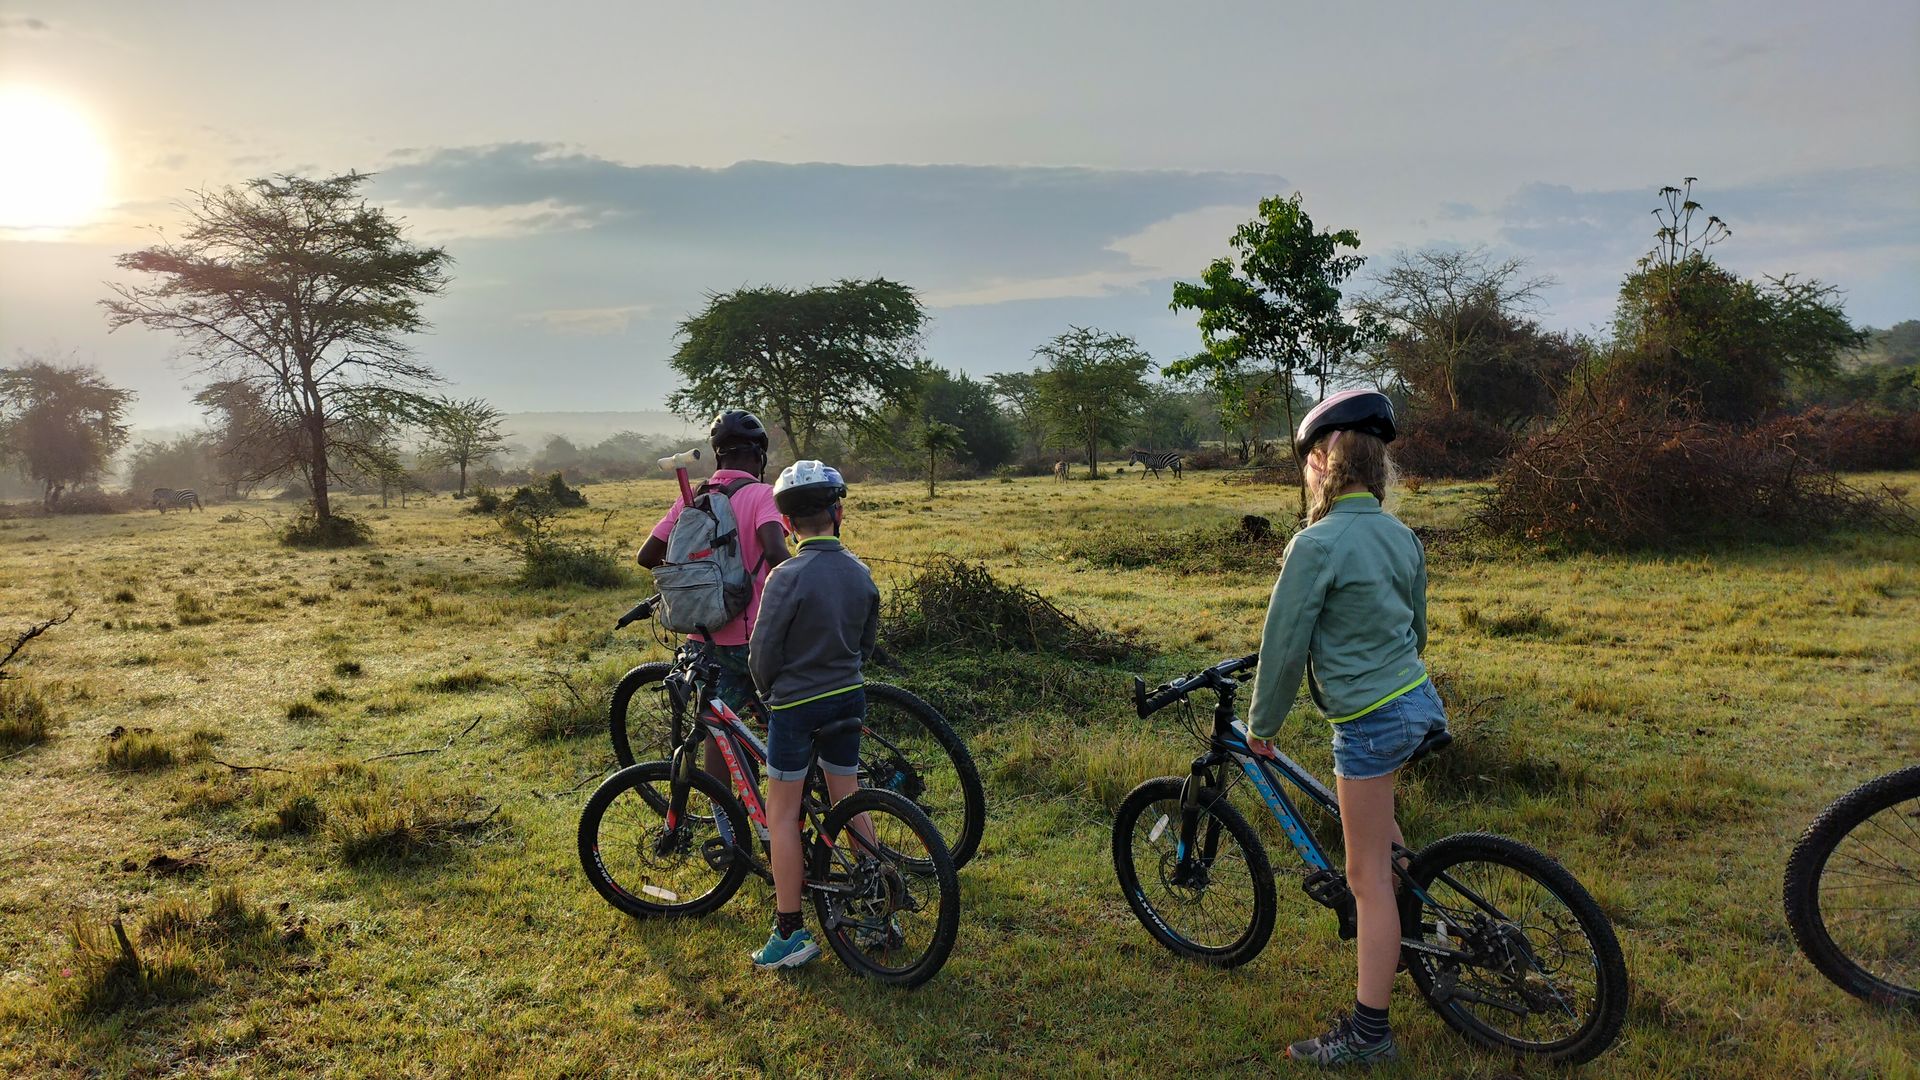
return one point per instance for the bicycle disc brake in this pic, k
(1328, 889)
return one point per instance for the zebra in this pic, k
(1154, 461)
(181, 498)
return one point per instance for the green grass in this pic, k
(1664, 726)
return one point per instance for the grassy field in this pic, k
(1664, 726)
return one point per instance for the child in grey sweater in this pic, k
(818, 620)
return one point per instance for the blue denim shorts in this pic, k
(1381, 741)
(790, 737)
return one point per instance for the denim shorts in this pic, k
(790, 731)
(1381, 741)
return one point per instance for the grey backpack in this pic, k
(704, 583)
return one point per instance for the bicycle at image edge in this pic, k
(665, 838)
(1501, 941)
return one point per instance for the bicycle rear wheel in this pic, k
(908, 748)
(640, 715)
(1542, 972)
(1215, 905)
(642, 867)
(1853, 890)
(888, 899)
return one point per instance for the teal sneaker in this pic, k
(781, 952)
(1341, 1046)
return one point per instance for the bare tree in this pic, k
(1429, 298)
(303, 291)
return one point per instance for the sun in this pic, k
(53, 164)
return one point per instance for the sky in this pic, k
(596, 170)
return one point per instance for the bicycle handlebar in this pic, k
(641, 610)
(1207, 678)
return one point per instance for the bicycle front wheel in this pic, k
(1853, 891)
(1216, 904)
(639, 865)
(884, 888)
(908, 748)
(1531, 963)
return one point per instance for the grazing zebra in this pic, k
(1154, 460)
(1059, 470)
(176, 498)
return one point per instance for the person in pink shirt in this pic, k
(739, 444)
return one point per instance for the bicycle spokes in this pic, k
(1869, 895)
(1203, 889)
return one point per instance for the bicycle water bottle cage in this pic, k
(1328, 889)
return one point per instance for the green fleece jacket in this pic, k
(1350, 611)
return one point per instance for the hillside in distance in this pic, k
(532, 429)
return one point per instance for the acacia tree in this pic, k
(1446, 310)
(1092, 384)
(830, 356)
(251, 442)
(464, 433)
(1273, 305)
(301, 290)
(60, 425)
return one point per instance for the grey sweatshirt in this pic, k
(819, 617)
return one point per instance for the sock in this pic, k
(1369, 1023)
(786, 923)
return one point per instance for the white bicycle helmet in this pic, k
(808, 487)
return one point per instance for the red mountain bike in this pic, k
(666, 838)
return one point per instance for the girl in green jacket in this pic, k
(1350, 613)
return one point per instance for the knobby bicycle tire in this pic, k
(1259, 926)
(1601, 1024)
(1807, 868)
(963, 837)
(932, 863)
(643, 776)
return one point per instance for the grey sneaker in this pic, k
(1341, 1047)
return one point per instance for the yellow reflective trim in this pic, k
(805, 540)
(1353, 495)
(1355, 716)
(817, 697)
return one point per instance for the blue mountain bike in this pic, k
(1501, 941)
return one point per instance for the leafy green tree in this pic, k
(835, 356)
(988, 439)
(463, 434)
(304, 291)
(937, 439)
(60, 425)
(1092, 386)
(1019, 393)
(1694, 335)
(1273, 306)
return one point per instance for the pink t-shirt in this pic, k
(752, 508)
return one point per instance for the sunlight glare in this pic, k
(53, 164)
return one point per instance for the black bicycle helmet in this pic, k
(1348, 410)
(735, 428)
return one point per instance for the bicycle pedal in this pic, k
(1328, 889)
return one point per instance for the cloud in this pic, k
(587, 322)
(24, 24)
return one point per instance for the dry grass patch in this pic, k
(396, 824)
(25, 716)
(137, 751)
(464, 681)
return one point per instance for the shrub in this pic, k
(1850, 439)
(91, 500)
(954, 604)
(485, 501)
(1251, 544)
(334, 531)
(1213, 458)
(553, 493)
(25, 715)
(137, 751)
(1454, 445)
(1614, 476)
(573, 703)
(549, 559)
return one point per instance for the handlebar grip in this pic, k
(682, 460)
(641, 610)
(1147, 706)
